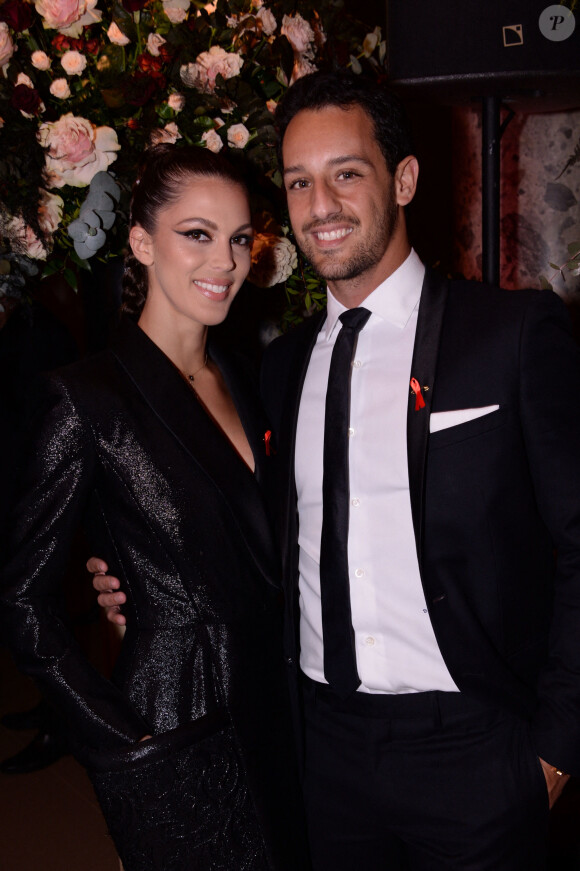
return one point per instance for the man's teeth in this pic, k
(213, 288)
(331, 235)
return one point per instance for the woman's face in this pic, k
(199, 253)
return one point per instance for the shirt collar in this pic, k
(394, 300)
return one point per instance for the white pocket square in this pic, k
(444, 419)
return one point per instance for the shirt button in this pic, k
(369, 641)
(355, 502)
(357, 364)
(351, 431)
(359, 573)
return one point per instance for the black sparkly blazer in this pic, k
(123, 445)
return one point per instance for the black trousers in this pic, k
(420, 782)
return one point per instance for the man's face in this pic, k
(342, 198)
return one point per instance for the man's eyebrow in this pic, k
(334, 161)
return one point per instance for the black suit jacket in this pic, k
(493, 499)
(123, 444)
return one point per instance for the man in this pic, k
(432, 641)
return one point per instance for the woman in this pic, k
(158, 443)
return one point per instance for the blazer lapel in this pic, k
(304, 339)
(423, 369)
(174, 403)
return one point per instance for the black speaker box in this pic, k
(527, 52)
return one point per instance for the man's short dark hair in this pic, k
(344, 90)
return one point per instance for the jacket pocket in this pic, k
(158, 747)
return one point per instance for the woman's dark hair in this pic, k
(160, 181)
(344, 90)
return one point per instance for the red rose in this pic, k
(60, 42)
(17, 15)
(149, 64)
(140, 88)
(93, 46)
(26, 99)
(133, 124)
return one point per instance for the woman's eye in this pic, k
(197, 235)
(243, 241)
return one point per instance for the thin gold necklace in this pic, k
(197, 371)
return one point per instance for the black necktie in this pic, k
(338, 635)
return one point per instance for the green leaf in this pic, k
(71, 278)
(545, 284)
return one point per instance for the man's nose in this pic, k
(324, 200)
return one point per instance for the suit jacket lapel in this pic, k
(174, 403)
(423, 368)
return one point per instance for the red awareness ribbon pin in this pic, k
(416, 388)
(267, 440)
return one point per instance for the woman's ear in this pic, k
(141, 245)
(406, 176)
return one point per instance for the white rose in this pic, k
(212, 141)
(238, 135)
(40, 60)
(23, 239)
(117, 36)
(73, 63)
(269, 23)
(67, 16)
(60, 89)
(208, 65)
(176, 102)
(168, 134)
(274, 258)
(154, 43)
(370, 41)
(298, 32)
(76, 150)
(23, 79)
(6, 44)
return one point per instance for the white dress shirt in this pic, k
(396, 650)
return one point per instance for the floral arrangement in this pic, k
(87, 85)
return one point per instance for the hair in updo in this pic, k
(162, 175)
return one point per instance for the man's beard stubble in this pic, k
(366, 255)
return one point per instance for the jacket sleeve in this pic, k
(550, 415)
(57, 482)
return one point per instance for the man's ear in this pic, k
(141, 245)
(406, 176)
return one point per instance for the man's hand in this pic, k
(107, 587)
(554, 781)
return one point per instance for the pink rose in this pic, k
(117, 36)
(269, 23)
(176, 10)
(154, 43)
(50, 209)
(238, 135)
(73, 63)
(176, 102)
(60, 89)
(67, 16)
(298, 33)
(76, 150)
(6, 44)
(208, 65)
(168, 134)
(212, 141)
(40, 60)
